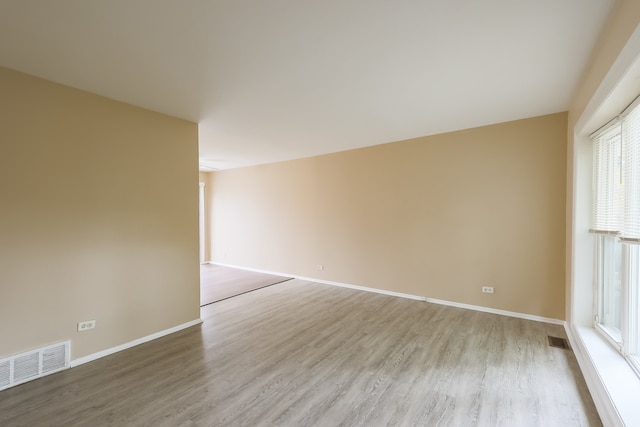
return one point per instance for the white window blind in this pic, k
(631, 178)
(616, 177)
(607, 202)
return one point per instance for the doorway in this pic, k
(201, 227)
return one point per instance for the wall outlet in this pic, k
(487, 289)
(320, 267)
(85, 326)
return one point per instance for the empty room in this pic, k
(450, 192)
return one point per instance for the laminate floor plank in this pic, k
(307, 354)
(218, 282)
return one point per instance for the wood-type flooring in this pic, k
(218, 282)
(306, 354)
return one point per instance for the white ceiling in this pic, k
(283, 79)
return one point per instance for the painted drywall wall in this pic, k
(608, 84)
(438, 216)
(592, 89)
(98, 218)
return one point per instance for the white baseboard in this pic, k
(257, 270)
(409, 296)
(107, 352)
(439, 301)
(325, 282)
(363, 288)
(497, 311)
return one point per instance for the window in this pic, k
(609, 311)
(634, 306)
(616, 227)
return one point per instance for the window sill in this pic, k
(613, 384)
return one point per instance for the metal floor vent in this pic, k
(558, 342)
(34, 364)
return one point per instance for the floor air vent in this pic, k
(558, 342)
(33, 364)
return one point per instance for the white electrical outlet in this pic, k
(487, 289)
(84, 326)
(320, 267)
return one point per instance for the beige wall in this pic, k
(438, 216)
(98, 218)
(623, 20)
